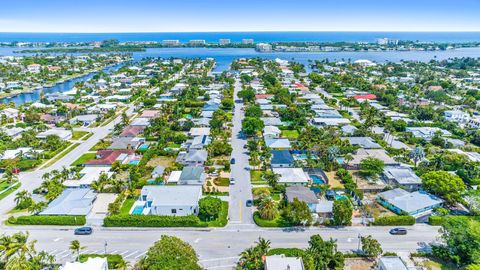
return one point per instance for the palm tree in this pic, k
(36, 208)
(333, 152)
(271, 178)
(417, 154)
(348, 158)
(263, 245)
(123, 265)
(21, 197)
(268, 208)
(18, 263)
(75, 247)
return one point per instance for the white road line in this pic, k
(131, 254)
(123, 253)
(113, 252)
(197, 240)
(141, 254)
(219, 259)
(62, 252)
(66, 255)
(57, 239)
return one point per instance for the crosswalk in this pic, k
(67, 255)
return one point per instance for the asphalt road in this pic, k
(239, 215)
(219, 248)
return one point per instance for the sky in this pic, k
(102, 16)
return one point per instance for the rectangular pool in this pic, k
(138, 210)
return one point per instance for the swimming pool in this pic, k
(317, 179)
(143, 147)
(134, 162)
(304, 156)
(338, 197)
(138, 210)
(340, 160)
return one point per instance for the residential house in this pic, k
(427, 133)
(192, 157)
(281, 159)
(363, 142)
(271, 132)
(375, 153)
(456, 116)
(158, 171)
(92, 263)
(417, 204)
(129, 143)
(281, 262)
(302, 194)
(63, 134)
(10, 113)
(391, 263)
(292, 176)
(272, 121)
(199, 131)
(108, 157)
(402, 176)
(85, 119)
(72, 202)
(198, 142)
(277, 143)
(87, 176)
(132, 131)
(140, 122)
(192, 176)
(169, 200)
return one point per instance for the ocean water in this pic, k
(238, 36)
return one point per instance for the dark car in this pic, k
(398, 231)
(83, 231)
(249, 203)
(232, 161)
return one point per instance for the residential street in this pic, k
(239, 214)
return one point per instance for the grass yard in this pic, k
(164, 161)
(60, 155)
(83, 158)
(102, 144)
(221, 182)
(256, 178)
(127, 205)
(430, 264)
(4, 186)
(173, 145)
(290, 134)
(77, 135)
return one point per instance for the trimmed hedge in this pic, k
(112, 259)
(440, 220)
(152, 221)
(288, 252)
(277, 222)
(48, 220)
(394, 221)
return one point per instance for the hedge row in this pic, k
(152, 221)
(439, 220)
(394, 221)
(112, 259)
(48, 220)
(277, 222)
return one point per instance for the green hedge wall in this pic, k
(112, 259)
(152, 221)
(439, 220)
(48, 220)
(394, 220)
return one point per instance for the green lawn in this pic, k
(4, 185)
(61, 155)
(101, 145)
(76, 135)
(127, 205)
(290, 134)
(277, 222)
(83, 158)
(256, 178)
(222, 182)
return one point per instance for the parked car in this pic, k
(398, 231)
(249, 203)
(232, 181)
(232, 161)
(84, 231)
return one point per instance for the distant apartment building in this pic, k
(171, 42)
(224, 41)
(263, 47)
(197, 42)
(386, 41)
(247, 41)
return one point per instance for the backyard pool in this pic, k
(134, 162)
(143, 147)
(138, 210)
(340, 160)
(338, 197)
(317, 180)
(304, 156)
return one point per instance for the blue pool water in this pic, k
(338, 197)
(304, 156)
(134, 162)
(340, 160)
(137, 210)
(143, 147)
(317, 179)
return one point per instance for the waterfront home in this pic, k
(108, 157)
(168, 201)
(401, 176)
(84, 120)
(427, 133)
(54, 97)
(72, 202)
(95, 263)
(87, 176)
(417, 204)
(291, 176)
(281, 159)
(192, 157)
(192, 176)
(363, 142)
(277, 143)
(10, 113)
(63, 134)
(282, 262)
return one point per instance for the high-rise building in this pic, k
(197, 42)
(247, 41)
(263, 47)
(224, 41)
(171, 42)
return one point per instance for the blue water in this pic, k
(238, 36)
(138, 210)
(143, 147)
(134, 162)
(317, 179)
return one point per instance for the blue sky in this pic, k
(238, 15)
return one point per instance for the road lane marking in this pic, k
(123, 253)
(57, 239)
(241, 214)
(219, 259)
(140, 255)
(221, 266)
(131, 254)
(197, 240)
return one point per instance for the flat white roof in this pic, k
(174, 177)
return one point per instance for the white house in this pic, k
(63, 134)
(96, 263)
(291, 176)
(456, 116)
(168, 201)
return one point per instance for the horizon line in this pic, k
(242, 31)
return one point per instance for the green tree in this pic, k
(253, 111)
(371, 166)
(325, 254)
(445, 185)
(268, 208)
(417, 154)
(23, 200)
(297, 212)
(342, 212)
(75, 248)
(210, 207)
(370, 246)
(252, 126)
(170, 252)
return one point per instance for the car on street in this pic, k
(83, 231)
(232, 181)
(398, 231)
(232, 161)
(249, 203)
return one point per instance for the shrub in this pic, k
(152, 221)
(278, 222)
(394, 221)
(112, 259)
(440, 220)
(288, 252)
(48, 220)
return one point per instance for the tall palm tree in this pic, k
(18, 263)
(21, 197)
(263, 245)
(123, 265)
(75, 247)
(268, 208)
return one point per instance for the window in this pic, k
(174, 211)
